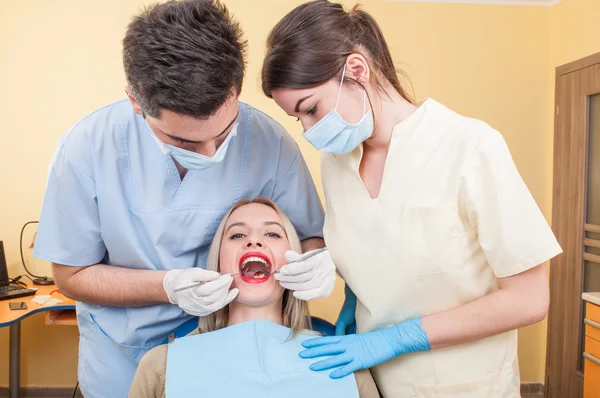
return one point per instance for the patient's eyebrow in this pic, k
(274, 223)
(243, 224)
(236, 224)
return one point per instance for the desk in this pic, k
(60, 314)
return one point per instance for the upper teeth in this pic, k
(262, 260)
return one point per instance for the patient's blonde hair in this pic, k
(294, 312)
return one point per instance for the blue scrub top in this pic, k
(113, 197)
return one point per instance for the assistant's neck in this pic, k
(390, 110)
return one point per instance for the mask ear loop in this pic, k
(364, 99)
(340, 90)
(340, 93)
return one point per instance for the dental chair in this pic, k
(322, 326)
(319, 325)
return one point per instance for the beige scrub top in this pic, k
(452, 215)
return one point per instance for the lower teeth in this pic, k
(258, 275)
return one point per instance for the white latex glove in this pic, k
(204, 299)
(310, 279)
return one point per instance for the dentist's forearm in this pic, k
(312, 244)
(110, 285)
(521, 300)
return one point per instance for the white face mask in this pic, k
(332, 134)
(192, 160)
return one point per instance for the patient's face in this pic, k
(254, 244)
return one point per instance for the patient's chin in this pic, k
(258, 296)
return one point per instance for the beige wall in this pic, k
(574, 30)
(61, 59)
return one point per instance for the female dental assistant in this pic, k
(427, 220)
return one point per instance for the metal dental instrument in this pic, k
(198, 284)
(312, 254)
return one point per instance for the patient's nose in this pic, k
(252, 242)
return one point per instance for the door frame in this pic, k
(565, 325)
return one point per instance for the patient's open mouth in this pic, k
(255, 267)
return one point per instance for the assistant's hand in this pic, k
(362, 351)
(201, 300)
(310, 279)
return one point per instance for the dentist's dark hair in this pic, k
(309, 47)
(185, 56)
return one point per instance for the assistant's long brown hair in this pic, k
(309, 47)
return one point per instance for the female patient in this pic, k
(249, 348)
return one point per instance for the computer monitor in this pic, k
(3, 267)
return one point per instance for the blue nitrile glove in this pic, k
(346, 322)
(361, 351)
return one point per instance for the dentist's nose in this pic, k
(208, 148)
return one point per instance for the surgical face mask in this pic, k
(192, 160)
(332, 134)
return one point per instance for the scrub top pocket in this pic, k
(102, 371)
(487, 387)
(134, 352)
(430, 239)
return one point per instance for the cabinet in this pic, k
(591, 375)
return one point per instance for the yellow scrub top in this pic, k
(452, 215)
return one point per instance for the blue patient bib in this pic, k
(252, 359)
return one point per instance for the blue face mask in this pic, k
(332, 134)
(192, 160)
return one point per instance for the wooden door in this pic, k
(575, 221)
